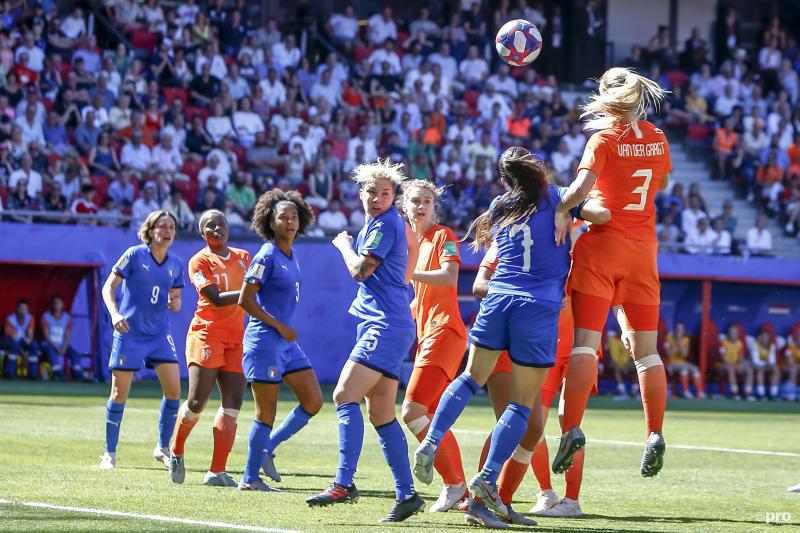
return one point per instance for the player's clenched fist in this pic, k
(343, 240)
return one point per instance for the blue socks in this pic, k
(166, 422)
(351, 439)
(507, 433)
(395, 450)
(259, 442)
(293, 423)
(113, 420)
(453, 401)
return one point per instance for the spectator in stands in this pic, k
(145, 204)
(791, 364)
(286, 54)
(764, 358)
(702, 240)
(122, 189)
(722, 246)
(381, 26)
(177, 205)
(32, 178)
(759, 238)
(473, 70)
(333, 219)
(240, 193)
(729, 221)
(343, 28)
(692, 214)
(102, 158)
(136, 154)
(55, 201)
(734, 363)
(668, 234)
(166, 157)
(20, 201)
(676, 347)
(724, 143)
(84, 204)
(204, 87)
(321, 185)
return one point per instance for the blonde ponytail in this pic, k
(623, 96)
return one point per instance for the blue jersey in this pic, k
(145, 289)
(529, 262)
(384, 297)
(278, 278)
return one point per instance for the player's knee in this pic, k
(312, 406)
(412, 411)
(195, 405)
(648, 361)
(341, 396)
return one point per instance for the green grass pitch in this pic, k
(51, 437)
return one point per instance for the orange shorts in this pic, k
(426, 385)
(503, 364)
(226, 356)
(443, 348)
(610, 269)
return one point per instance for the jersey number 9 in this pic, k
(154, 294)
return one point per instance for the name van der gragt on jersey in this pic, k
(641, 150)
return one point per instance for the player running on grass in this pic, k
(626, 163)
(271, 353)
(441, 335)
(520, 314)
(213, 347)
(379, 262)
(151, 280)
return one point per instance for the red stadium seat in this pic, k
(698, 132)
(304, 189)
(677, 77)
(192, 112)
(471, 98)
(145, 40)
(241, 156)
(176, 93)
(192, 168)
(361, 52)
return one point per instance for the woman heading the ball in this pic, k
(151, 280)
(626, 163)
(378, 261)
(213, 347)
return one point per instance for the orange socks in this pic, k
(186, 422)
(448, 455)
(513, 473)
(653, 384)
(540, 464)
(578, 385)
(574, 476)
(224, 435)
(485, 452)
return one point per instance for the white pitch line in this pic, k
(157, 518)
(669, 446)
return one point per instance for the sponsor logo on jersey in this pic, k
(272, 372)
(258, 270)
(374, 239)
(198, 278)
(206, 353)
(146, 266)
(450, 249)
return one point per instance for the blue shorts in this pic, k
(526, 327)
(130, 352)
(269, 366)
(382, 348)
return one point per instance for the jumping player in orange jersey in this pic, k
(624, 165)
(441, 335)
(214, 347)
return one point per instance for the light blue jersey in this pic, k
(145, 289)
(383, 298)
(278, 278)
(529, 262)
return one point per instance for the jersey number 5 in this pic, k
(642, 191)
(527, 243)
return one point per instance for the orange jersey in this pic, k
(436, 306)
(206, 268)
(631, 162)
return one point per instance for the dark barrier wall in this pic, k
(326, 331)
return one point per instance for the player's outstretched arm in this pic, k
(577, 190)
(109, 298)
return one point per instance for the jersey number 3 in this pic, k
(642, 191)
(527, 243)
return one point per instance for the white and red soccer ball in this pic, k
(518, 42)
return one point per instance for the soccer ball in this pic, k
(518, 42)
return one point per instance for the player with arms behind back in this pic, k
(151, 280)
(271, 353)
(213, 347)
(625, 164)
(441, 335)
